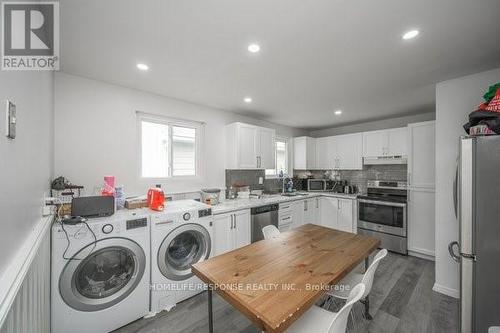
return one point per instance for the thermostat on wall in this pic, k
(10, 123)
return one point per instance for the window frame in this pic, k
(199, 128)
(287, 158)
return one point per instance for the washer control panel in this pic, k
(204, 212)
(137, 223)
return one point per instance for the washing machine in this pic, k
(100, 273)
(181, 236)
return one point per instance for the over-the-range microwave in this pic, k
(316, 185)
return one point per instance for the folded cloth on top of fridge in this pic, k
(488, 118)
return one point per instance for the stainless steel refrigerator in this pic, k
(477, 206)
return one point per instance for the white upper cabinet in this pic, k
(391, 142)
(246, 141)
(265, 148)
(342, 152)
(374, 143)
(249, 147)
(349, 152)
(322, 158)
(421, 157)
(304, 153)
(397, 142)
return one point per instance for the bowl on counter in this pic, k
(210, 196)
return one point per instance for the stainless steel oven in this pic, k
(382, 214)
(316, 185)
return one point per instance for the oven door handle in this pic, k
(383, 203)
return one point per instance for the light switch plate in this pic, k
(261, 180)
(10, 119)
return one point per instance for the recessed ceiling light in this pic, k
(253, 48)
(142, 67)
(248, 99)
(338, 112)
(411, 34)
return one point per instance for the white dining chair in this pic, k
(319, 320)
(341, 289)
(270, 232)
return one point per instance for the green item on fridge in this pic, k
(492, 90)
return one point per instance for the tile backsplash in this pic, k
(251, 178)
(369, 172)
(353, 177)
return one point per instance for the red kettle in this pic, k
(156, 198)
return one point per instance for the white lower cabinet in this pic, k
(345, 216)
(421, 208)
(231, 231)
(329, 212)
(297, 213)
(311, 211)
(338, 213)
(291, 215)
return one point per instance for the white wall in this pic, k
(375, 125)
(95, 134)
(26, 162)
(455, 99)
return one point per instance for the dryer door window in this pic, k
(183, 247)
(102, 276)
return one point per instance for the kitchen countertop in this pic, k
(240, 204)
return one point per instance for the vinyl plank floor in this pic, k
(401, 300)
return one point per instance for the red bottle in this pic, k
(156, 198)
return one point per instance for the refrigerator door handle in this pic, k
(455, 191)
(451, 250)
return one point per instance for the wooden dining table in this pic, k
(273, 282)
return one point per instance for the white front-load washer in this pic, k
(181, 236)
(100, 273)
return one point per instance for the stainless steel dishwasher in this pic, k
(261, 217)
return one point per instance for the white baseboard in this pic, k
(421, 255)
(445, 290)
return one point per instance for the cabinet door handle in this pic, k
(317, 203)
(234, 221)
(305, 206)
(231, 227)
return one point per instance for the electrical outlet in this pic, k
(10, 120)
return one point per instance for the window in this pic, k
(168, 148)
(281, 156)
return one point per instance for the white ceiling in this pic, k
(316, 56)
